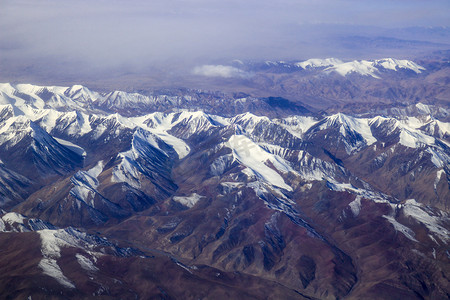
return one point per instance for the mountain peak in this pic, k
(318, 63)
(396, 64)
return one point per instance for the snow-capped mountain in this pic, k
(22, 141)
(319, 63)
(336, 85)
(371, 68)
(292, 205)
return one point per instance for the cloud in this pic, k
(221, 71)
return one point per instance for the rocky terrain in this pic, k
(193, 194)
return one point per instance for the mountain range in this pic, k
(196, 194)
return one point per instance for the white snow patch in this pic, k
(401, 228)
(297, 125)
(314, 169)
(85, 184)
(415, 139)
(283, 204)
(362, 67)
(306, 186)
(395, 64)
(149, 138)
(432, 221)
(220, 164)
(319, 63)
(86, 263)
(48, 120)
(423, 108)
(177, 144)
(275, 149)
(433, 239)
(51, 243)
(95, 171)
(79, 92)
(439, 158)
(439, 128)
(412, 122)
(249, 173)
(183, 266)
(364, 193)
(159, 124)
(439, 174)
(126, 171)
(249, 120)
(75, 148)
(188, 201)
(254, 157)
(232, 184)
(350, 125)
(129, 169)
(7, 88)
(82, 125)
(51, 268)
(355, 206)
(13, 217)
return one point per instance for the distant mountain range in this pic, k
(372, 68)
(198, 194)
(336, 85)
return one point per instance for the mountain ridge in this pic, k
(269, 188)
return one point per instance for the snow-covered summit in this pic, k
(362, 67)
(395, 64)
(319, 63)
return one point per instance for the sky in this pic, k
(82, 38)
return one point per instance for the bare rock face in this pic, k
(103, 197)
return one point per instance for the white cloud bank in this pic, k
(221, 71)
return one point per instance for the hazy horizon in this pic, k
(68, 41)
